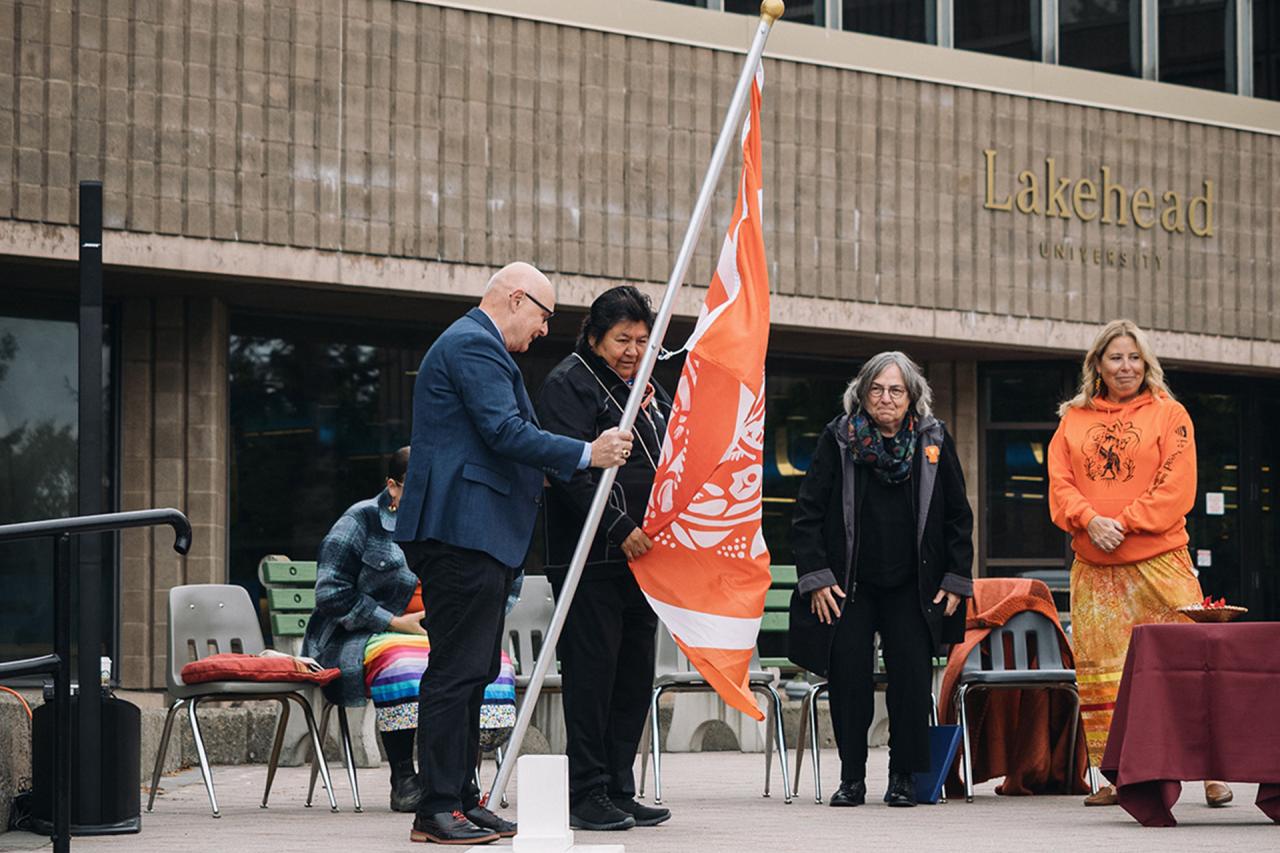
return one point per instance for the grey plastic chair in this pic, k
(526, 627)
(673, 673)
(1030, 635)
(809, 727)
(208, 619)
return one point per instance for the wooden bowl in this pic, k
(1198, 613)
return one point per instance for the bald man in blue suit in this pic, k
(465, 522)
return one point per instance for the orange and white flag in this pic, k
(708, 573)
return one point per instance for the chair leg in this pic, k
(318, 746)
(349, 756)
(813, 742)
(801, 737)
(318, 758)
(655, 748)
(164, 748)
(781, 737)
(933, 721)
(275, 749)
(643, 751)
(1071, 747)
(768, 747)
(967, 761)
(499, 755)
(205, 772)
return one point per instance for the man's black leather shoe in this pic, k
(901, 790)
(850, 794)
(449, 828)
(486, 819)
(644, 815)
(595, 812)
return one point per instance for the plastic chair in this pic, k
(208, 619)
(809, 725)
(1032, 637)
(526, 627)
(673, 673)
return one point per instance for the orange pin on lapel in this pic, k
(931, 453)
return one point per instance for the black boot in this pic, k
(901, 790)
(406, 790)
(850, 793)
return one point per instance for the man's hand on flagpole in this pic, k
(637, 544)
(611, 449)
(824, 605)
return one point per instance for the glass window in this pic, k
(1003, 27)
(1101, 35)
(1197, 43)
(39, 381)
(911, 20)
(1027, 395)
(800, 11)
(1018, 496)
(1266, 49)
(702, 3)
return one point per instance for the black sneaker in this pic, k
(449, 828)
(901, 790)
(644, 815)
(850, 794)
(594, 812)
(486, 819)
(406, 791)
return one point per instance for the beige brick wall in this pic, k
(403, 129)
(173, 439)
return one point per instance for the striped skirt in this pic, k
(1106, 602)
(393, 667)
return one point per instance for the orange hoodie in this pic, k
(1134, 462)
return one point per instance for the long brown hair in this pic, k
(1091, 379)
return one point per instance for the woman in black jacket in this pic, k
(607, 647)
(883, 541)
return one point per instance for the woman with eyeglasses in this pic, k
(882, 535)
(368, 623)
(607, 647)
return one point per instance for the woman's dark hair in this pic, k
(616, 305)
(398, 465)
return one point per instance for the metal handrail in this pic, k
(58, 664)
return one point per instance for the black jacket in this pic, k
(824, 535)
(573, 401)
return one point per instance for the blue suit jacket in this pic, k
(478, 457)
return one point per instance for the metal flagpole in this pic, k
(770, 11)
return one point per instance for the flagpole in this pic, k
(770, 11)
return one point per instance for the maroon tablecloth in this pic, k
(1196, 702)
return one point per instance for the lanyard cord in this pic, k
(614, 400)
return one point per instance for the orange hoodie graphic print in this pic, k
(708, 573)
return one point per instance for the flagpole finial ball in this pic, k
(772, 9)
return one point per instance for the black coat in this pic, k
(573, 401)
(825, 525)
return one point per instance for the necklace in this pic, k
(643, 446)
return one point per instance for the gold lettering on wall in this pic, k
(1106, 200)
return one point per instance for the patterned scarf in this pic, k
(890, 459)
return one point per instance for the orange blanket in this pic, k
(1022, 735)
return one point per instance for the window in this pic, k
(1266, 50)
(1101, 35)
(910, 20)
(1197, 43)
(800, 11)
(1004, 27)
(39, 446)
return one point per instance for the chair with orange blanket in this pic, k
(1029, 735)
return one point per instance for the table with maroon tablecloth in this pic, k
(1196, 701)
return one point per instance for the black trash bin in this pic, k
(121, 779)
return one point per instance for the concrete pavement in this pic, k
(717, 806)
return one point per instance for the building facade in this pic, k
(300, 194)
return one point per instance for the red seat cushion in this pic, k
(234, 667)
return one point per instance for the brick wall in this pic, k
(403, 129)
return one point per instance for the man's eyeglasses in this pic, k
(895, 392)
(545, 310)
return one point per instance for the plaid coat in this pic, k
(362, 581)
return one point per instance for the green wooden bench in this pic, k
(777, 620)
(291, 595)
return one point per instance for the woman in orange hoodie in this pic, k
(1122, 478)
